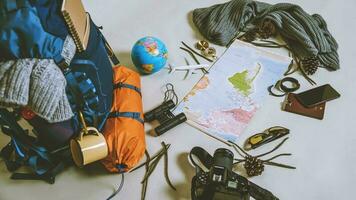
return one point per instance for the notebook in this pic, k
(78, 22)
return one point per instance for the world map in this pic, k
(225, 100)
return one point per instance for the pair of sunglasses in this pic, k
(265, 137)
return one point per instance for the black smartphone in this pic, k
(317, 95)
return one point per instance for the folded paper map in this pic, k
(224, 101)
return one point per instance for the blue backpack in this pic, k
(37, 29)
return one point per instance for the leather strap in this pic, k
(293, 81)
(108, 48)
(280, 85)
(274, 94)
(110, 51)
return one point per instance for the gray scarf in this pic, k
(306, 35)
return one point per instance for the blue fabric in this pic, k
(39, 162)
(22, 34)
(40, 25)
(27, 151)
(17, 148)
(95, 63)
(36, 29)
(49, 12)
(122, 168)
(84, 90)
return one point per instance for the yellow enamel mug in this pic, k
(89, 147)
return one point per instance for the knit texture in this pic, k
(68, 50)
(14, 82)
(47, 92)
(37, 83)
(306, 35)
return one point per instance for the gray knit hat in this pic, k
(15, 82)
(37, 83)
(47, 90)
(48, 97)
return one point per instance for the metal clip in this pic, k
(82, 121)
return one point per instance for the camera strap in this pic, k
(201, 159)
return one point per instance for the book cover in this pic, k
(77, 21)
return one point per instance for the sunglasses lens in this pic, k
(256, 139)
(275, 128)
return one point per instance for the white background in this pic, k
(323, 151)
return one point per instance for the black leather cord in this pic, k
(280, 85)
(295, 84)
(274, 94)
(118, 189)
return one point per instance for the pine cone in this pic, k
(267, 29)
(253, 166)
(250, 36)
(310, 64)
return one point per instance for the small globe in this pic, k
(149, 55)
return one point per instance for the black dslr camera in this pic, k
(221, 183)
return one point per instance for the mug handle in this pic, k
(89, 130)
(86, 129)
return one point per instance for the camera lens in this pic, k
(223, 158)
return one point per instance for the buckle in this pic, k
(63, 66)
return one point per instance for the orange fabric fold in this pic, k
(125, 136)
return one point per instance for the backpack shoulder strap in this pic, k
(27, 153)
(110, 52)
(108, 48)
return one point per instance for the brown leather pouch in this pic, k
(291, 104)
